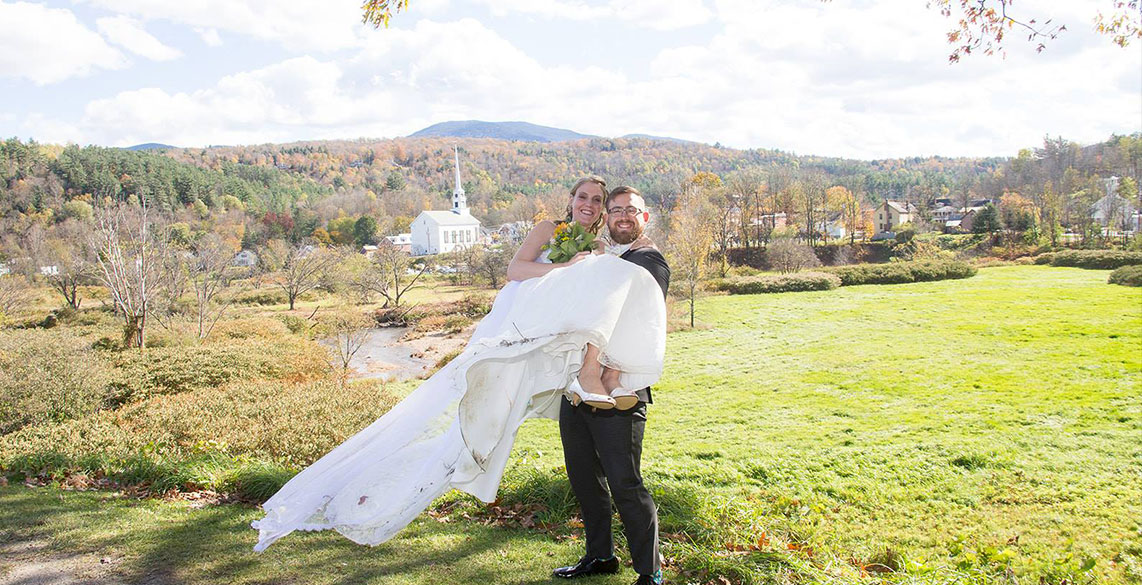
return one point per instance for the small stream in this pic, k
(384, 356)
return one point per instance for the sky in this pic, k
(851, 78)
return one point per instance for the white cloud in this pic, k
(864, 82)
(401, 81)
(209, 36)
(654, 14)
(129, 34)
(300, 25)
(49, 45)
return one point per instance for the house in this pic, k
(402, 242)
(4, 270)
(439, 232)
(945, 213)
(368, 250)
(1113, 212)
(515, 231)
(891, 214)
(245, 259)
(52, 270)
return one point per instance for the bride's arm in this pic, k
(523, 265)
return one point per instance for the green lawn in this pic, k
(979, 430)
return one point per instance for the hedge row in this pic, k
(903, 272)
(1127, 275)
(830, 278)
(802, 281)
(1093, 259)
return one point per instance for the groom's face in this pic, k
(626, 227)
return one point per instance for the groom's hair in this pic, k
(621, 190)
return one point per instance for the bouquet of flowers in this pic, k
(570, 238)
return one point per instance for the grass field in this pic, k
(986, 430)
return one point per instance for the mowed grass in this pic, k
(978, 430)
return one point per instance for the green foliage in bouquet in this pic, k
(570, 238)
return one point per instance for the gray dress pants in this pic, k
(606, 445)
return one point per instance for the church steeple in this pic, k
(459, 200)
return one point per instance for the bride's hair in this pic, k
(598, 223)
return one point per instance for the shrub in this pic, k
(173, 370)
(48, 376)
(1096, 259)
(789, 255)
(1127, 275)
(446, 323)
(1046, 258)
(241, 437)
(250, 329)
(804, 281)
(261, 297)
(903, 272)
(297, 325)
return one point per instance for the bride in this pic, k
(456, 430)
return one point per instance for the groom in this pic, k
(607, 444)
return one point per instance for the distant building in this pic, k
(4, 270)
(402, 242)
(49, 270)
(245, 258)
(439, 232)
(892, 214)
(945, 213)
(1112, 211)
(515, 231)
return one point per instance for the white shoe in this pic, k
(578, 395)
(625, 399)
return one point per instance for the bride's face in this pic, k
(587, 203)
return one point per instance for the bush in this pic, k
(1096, 259)
(804, 281)
(903, 272)
(261, 297)
(48, 376)
(242, 437)
(1044, 259)
(173, 370)
(250, 329)
(446, 323)
(1127, 275)
(297, 325)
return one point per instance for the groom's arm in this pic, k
(654, 263)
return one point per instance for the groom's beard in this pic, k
(626, 234)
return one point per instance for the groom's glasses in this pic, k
(629, 210)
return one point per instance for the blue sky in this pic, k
(850, 78)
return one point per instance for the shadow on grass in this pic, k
(159, 543)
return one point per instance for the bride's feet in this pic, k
(579, 395)
(624, 398)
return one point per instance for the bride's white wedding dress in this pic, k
(457, 429)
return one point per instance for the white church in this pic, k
(439, 232)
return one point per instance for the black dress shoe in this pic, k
(588, 566)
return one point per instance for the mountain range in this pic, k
(519, 131)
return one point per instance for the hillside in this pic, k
(290, 190)
(518, 131)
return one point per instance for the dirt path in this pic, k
(32, 563)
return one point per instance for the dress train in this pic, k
(456, 430)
